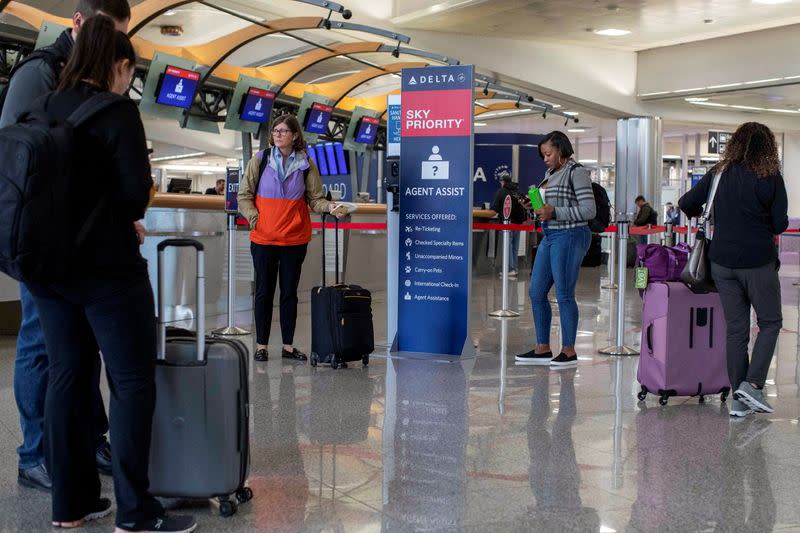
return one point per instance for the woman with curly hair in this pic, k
(750, 208)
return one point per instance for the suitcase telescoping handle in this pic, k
(336, 248)
(201, 296)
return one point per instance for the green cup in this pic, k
(536, 197)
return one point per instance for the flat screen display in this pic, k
(322, 160)
(177, 87)
(367, 130)
(257, 105)
(330, 155)
(312, 153)
(317, 118)
(341, 160)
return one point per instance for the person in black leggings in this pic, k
(106, 298)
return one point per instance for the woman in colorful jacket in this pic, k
(276, 202)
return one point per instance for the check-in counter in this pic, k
(363, 252)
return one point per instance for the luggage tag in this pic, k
(641, 277)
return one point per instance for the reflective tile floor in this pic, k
(484, 445)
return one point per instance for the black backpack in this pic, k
(36, 177)
(602, 217)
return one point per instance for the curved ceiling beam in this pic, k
(337, 90)
(149, 10)
(399, 37)
(33, 16)
(420, 53)
(285, 72)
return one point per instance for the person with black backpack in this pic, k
(99, 294)
(569, 206)
(518, 216)
(34, 76)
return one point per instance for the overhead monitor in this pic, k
(257, 105)
(177, 87)
(317, 118)
(367, 130)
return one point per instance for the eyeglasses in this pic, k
(281, 132)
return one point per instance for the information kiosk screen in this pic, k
(341, 160)
(322, 160)
(257, 105)
(317, 118)
(367, 130)
(177, 87)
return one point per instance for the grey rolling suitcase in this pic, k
(200, 444)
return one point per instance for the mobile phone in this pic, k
(339, 210)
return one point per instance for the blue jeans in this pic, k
(30, 386)
(513, 253)
(558, 262)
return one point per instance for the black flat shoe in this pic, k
(102, 457)
(297, 355)
(35, 478)
(262, 355)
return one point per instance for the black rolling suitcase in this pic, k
(201, 444)
(341, 319)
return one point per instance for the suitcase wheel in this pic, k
(334, 362)
(724, 396)
(642, 395)
(702, 399)
(245, 494)
(314, 359)
(365, 360)
(663, 400)
(227, 508)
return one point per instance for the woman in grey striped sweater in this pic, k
(569, 206)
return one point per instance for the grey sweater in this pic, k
(569, 190)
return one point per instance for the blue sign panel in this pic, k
(393, 123)
(531, 168)
(177, 87)
(317, 118)
(232, 190)
(435, 210)
(491, 162)
(257, 105)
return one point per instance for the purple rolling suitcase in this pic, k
(683, 343)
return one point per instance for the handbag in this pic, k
(697, 274)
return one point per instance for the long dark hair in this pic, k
(98, 48)
(299, 144)
(752, 146)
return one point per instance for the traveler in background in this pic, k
(276, 204)
(750, 209)
(672, 215)
(34, 78)
(106, 297)
(646, 216)
(509, 188)
(569, 205)
(218, 189)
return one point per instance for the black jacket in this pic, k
(517, 210)
(748, 212)
(646, 215)
(112, 168)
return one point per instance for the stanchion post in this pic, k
(505, 312)
(231, 329)
(619, 348)
(669, 235)
(612, 260)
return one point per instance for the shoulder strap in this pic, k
(264, 161)
(93, 106)
(712, 193)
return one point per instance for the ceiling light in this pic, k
(783, 111)
(170, 13)
(771, 2)
(479, 124)
(576, 130)
(611, 32)
(571, 113)
(710, 104)
(696, 99)
(588, 161)
(748, 107)
(769, 80)
(182, 156)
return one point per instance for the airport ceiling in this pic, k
(651, 23)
